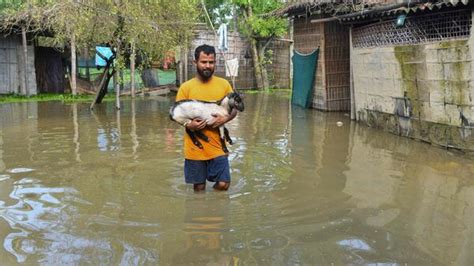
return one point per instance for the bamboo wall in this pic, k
(332, 84)
(337, 50)
(307, 37)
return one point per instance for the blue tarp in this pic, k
(304, 69)
(105, 51)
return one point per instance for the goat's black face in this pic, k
(235, 100)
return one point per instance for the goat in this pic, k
(184, 111)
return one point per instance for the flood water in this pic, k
(107, 187)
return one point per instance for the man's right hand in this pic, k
(196, 124)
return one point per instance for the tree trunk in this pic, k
(263, 67)
(257, 66)
(73, 65)
(104, 83)
(256, 63)
(150, 80)
(132, 71)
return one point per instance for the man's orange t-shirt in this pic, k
(213, 90)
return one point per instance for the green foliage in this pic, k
(154, 26)
(267, 27)
(258, 24)
(256, 20)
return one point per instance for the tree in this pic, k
(152, 26)
(256, 23)
(260, 29)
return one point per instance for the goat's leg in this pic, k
(224, 147)
(227, 136)
(222, 138)
(201, 135)
(193, 138)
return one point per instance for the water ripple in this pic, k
(20, 170)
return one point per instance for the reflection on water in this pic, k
(106, 187)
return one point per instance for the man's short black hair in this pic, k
(207, 49)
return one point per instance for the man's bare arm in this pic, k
(220, 119)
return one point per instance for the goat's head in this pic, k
(236, 101)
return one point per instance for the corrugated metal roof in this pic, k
(302, 6)
(426, 6)
(413, 8)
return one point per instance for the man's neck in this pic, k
(202, 79)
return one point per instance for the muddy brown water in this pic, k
(106, 187)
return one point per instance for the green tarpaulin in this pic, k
(304, 68)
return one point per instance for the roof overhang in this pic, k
(354, 13)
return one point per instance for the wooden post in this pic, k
(132, 71)
(117, 84)
(292, 51)
(76, 132)
(180, 65)
(86, 55)
(351, 79)
(24, 83)
(117, 90)
(133, 133)
(73, 65)
(185, 63)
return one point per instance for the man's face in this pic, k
(205, 65)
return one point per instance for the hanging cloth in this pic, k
(222, 31)
(304, 69)
(232, 67)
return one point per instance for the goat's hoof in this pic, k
(199, 145)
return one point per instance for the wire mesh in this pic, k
(420, 29)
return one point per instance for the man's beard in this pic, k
(205, 74)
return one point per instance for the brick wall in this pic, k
(239, 48)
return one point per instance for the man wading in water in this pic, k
(211, 162)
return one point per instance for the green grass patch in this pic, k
(45, 97)
(269, 90)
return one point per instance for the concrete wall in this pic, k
(11, 66)
(420, 91)
(239, 48)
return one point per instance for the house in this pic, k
(409, 64)
(313, 28)
(12, 66)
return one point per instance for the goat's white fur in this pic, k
(186, 111)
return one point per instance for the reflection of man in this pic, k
(205, 221)
(211, 162)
